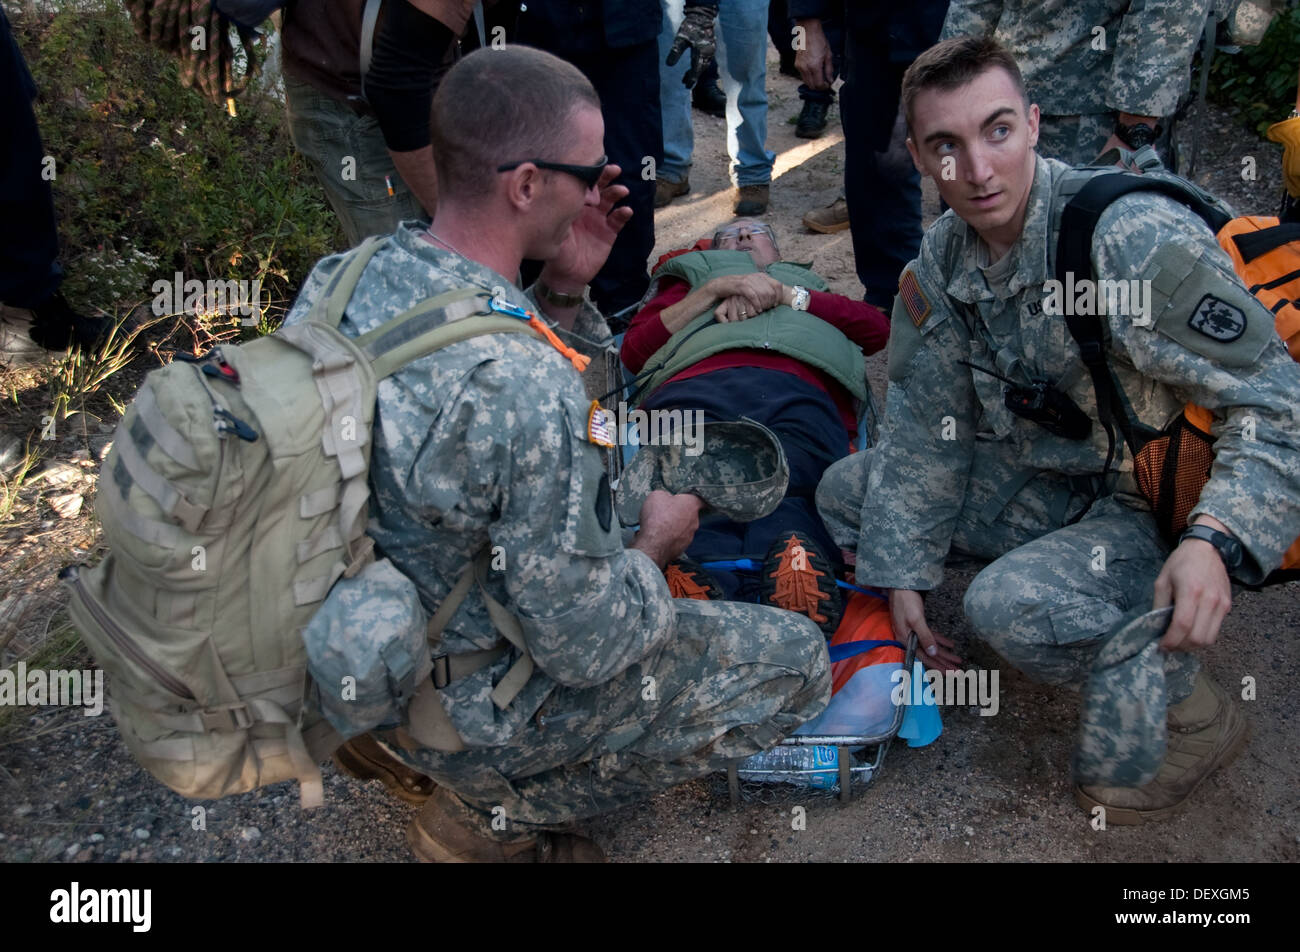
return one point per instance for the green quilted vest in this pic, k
(794, 333)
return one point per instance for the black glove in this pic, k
(696, 32)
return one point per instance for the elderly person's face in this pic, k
(746, 234)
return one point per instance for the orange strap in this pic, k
(579, 361)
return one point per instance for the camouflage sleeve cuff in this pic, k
(1153, 52)
(589, 322)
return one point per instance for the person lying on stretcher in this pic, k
(733, 331)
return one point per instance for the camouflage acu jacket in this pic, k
(485, 443)
(1164, 352)
(1080, 57)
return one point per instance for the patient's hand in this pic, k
(744, 295)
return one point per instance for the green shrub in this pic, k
(1260, 81)
(152, 179)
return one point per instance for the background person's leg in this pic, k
(674, 102)
(346, 151)
(742, 65)
(881, 185)
(627, 81)
(29, 246)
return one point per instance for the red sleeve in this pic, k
(646, 334)
(865, 325)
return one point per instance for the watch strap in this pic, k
(1229, 548)
(555, 297)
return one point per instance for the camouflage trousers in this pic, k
(1076, 140)
(1051, 594)
(734, 680)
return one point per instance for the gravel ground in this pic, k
(990, 788)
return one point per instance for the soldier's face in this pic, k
(977, 142)
(566, 194)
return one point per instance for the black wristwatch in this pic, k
(1137, 135)
(1229, 548)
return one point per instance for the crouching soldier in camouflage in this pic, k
(603, 690)
(1077, 559)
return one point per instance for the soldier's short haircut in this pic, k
(954, 63)
(502, 105)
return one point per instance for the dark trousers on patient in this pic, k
(805, 420)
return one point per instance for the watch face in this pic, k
(1139, 135)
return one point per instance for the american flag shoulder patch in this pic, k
(914, 299)
(600, 426)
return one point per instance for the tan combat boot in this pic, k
(834, 217)
(442, 833)
(362, 757)
(666, 191)
(1206, 731)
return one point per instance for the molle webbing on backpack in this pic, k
(233, 499)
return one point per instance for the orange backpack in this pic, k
(1266, 256)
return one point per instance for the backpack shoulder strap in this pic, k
(328, 308)
(1080, 216)
(433, 324)
(1256, 243)
(1078, 223)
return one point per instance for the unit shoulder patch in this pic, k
(1218, 320)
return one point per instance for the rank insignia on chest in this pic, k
(914, 299)
(1218, 320)
(600, 426)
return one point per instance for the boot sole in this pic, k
(825, 229)
(1128, 816)
(363, 769)
(425, 847)
(669, 200)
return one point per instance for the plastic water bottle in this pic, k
(790, 758)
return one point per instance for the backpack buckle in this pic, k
(227, 718)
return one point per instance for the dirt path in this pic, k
(990, 788)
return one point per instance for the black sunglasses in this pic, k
(589, 175)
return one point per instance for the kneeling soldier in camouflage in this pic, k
(1076, 554)
(566, 681)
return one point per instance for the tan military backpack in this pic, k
(233, 498)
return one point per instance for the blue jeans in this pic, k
(742, 71)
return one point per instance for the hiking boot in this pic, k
(798, 578)
(688, 579)
(834, 217)
(443, 833)
(17, 349)
(56, 326)
(666, 191)
(363, 757)
(812, 120)
(1206, 731)
(708, 98)
(751, 200)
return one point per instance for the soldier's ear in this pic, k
(521, 185)
(916, 157)
(1031, 120)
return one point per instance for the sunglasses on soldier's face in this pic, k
(589, 175)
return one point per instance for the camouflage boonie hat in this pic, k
(1122, 733)
(740, 472)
